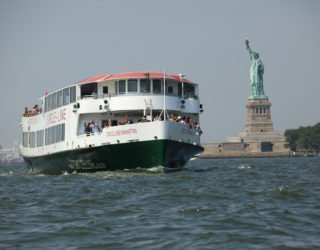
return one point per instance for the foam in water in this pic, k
(158, 169)
(283, 188)
(243, 166)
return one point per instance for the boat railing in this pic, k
(95, 96)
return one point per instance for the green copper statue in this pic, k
(256, 74)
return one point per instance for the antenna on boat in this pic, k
(164, 94)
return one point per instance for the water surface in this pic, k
(264, 203)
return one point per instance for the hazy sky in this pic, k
(46, 45)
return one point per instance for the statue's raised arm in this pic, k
(248, 47)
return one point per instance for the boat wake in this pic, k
(154, 170)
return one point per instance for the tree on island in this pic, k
(304, 138)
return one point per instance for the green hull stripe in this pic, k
(171, 154)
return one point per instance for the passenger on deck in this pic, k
(87, 128)
(26, 112)
(36, 108)
(198, 129)
(94, 127)
(94, 94)
(106, 124)
(144, 119)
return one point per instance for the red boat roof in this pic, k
(133, 75)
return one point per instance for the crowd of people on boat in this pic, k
(184, 119)
(92, 127)
(31, 112)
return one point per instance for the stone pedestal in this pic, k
(259, 116)
(259, 134)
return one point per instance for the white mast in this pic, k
(164, 95)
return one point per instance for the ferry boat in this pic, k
(113, 122)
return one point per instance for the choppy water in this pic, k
(213, 204)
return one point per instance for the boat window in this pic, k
(122, 87)
(46, 136)
(38, 138)
(59, 98)
(89, 90)
(132, 85)
(25, 139)
(53, 134)
(144, 85)
(41, 138)
(46, 104)
(105, 90)
(50, 135)
(66, 96)
(39, 142)
(171, 87)
(156, 86)
(180, 89)
(33, 141)
(63, 132)
(29, 139)
(49, 102)
(58, 133)
(73, 94)
(189, 90)
(54, 100)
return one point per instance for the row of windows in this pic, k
(142, 86)
(32, 139)
(48, 136)
(60, 98)
(154, 86)
(261, 110)
(55, 134)
(131, 86)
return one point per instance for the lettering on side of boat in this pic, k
(56, 116)
(122, 132)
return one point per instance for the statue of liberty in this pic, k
(256, 74)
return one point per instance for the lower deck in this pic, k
(126, 133)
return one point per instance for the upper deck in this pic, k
(133, 84)
(138, 83)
